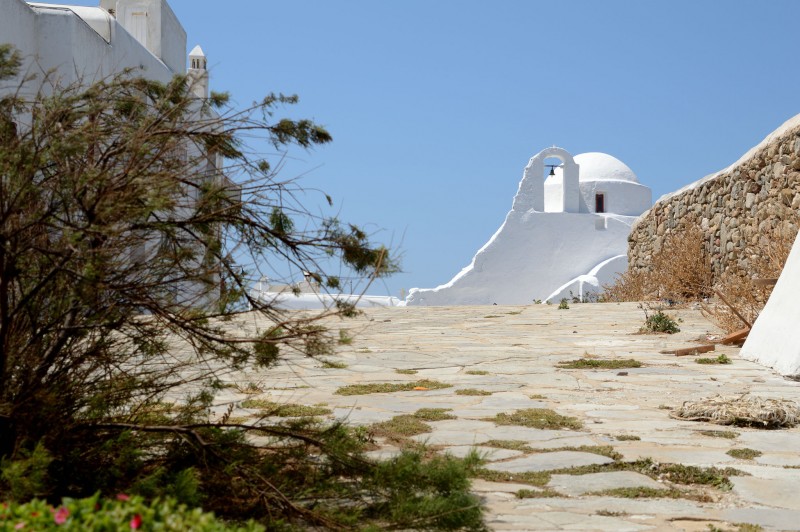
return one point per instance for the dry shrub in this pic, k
(767, 259)
(744, 410)
(679, 271)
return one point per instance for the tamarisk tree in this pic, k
(122, 234)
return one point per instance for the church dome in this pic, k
(595, 166)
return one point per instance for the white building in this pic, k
(62, 45)
(89, 43)
(566, 233)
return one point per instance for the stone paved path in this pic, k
(513, 352)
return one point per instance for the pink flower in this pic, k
(19, 526)
(136, 522)
(61, 515)
(123, 497)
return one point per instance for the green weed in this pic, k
(389, 387)
(594, 363)
(537, 418)
(472, 391)
(744, 454)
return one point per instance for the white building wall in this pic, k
(17, 26)
(56, 38)
(531, 255)
(620, 197)
(775, 338)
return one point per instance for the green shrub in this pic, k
(564, 305)
(722, 359)
(660, 322)
(125, 513)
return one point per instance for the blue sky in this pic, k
(436, 106)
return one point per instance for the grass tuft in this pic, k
(627, 437)
(477, 372)
(401, 427)
(744, 454)
(534, 478)
(406, 371)
(389, 387)
(472, 391)
(722, 359)
(332, 364)
(727, 434)
(593, 363)
(537, 418)
(269, 408)
(537, 494)
(641, 492)
(434, 414)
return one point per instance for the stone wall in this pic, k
(737, 208)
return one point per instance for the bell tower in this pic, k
(198, 72)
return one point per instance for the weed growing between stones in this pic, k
(537, 494)
(533, 478)
(594, 363)
(406, 371)
(609, 513)
(389, 387)
(512, 445)
(627, 437)
(658, 322)
(519, 445)
(721, 359)
(333, 364)
(492, 316)
(434, 414)
(674, 473)
(269, 408)
(477, 372)
(740, 527)
(400, 427)
(537, 396)
(564, 305)
(641, 492)
(728, 434)
(472, 391)
(344, 337)
(537, 418)
(744, 454)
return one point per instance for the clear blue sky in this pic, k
(436, 106)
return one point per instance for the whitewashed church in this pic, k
(566, 235)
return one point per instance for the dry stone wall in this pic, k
(737, 209)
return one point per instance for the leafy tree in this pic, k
(124, 258)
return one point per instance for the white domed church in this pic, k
(566, 235)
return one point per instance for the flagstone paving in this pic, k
(513, 353)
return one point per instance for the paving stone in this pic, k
(777, 493)
(575, 485)
(773, 519)
(548, 461)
